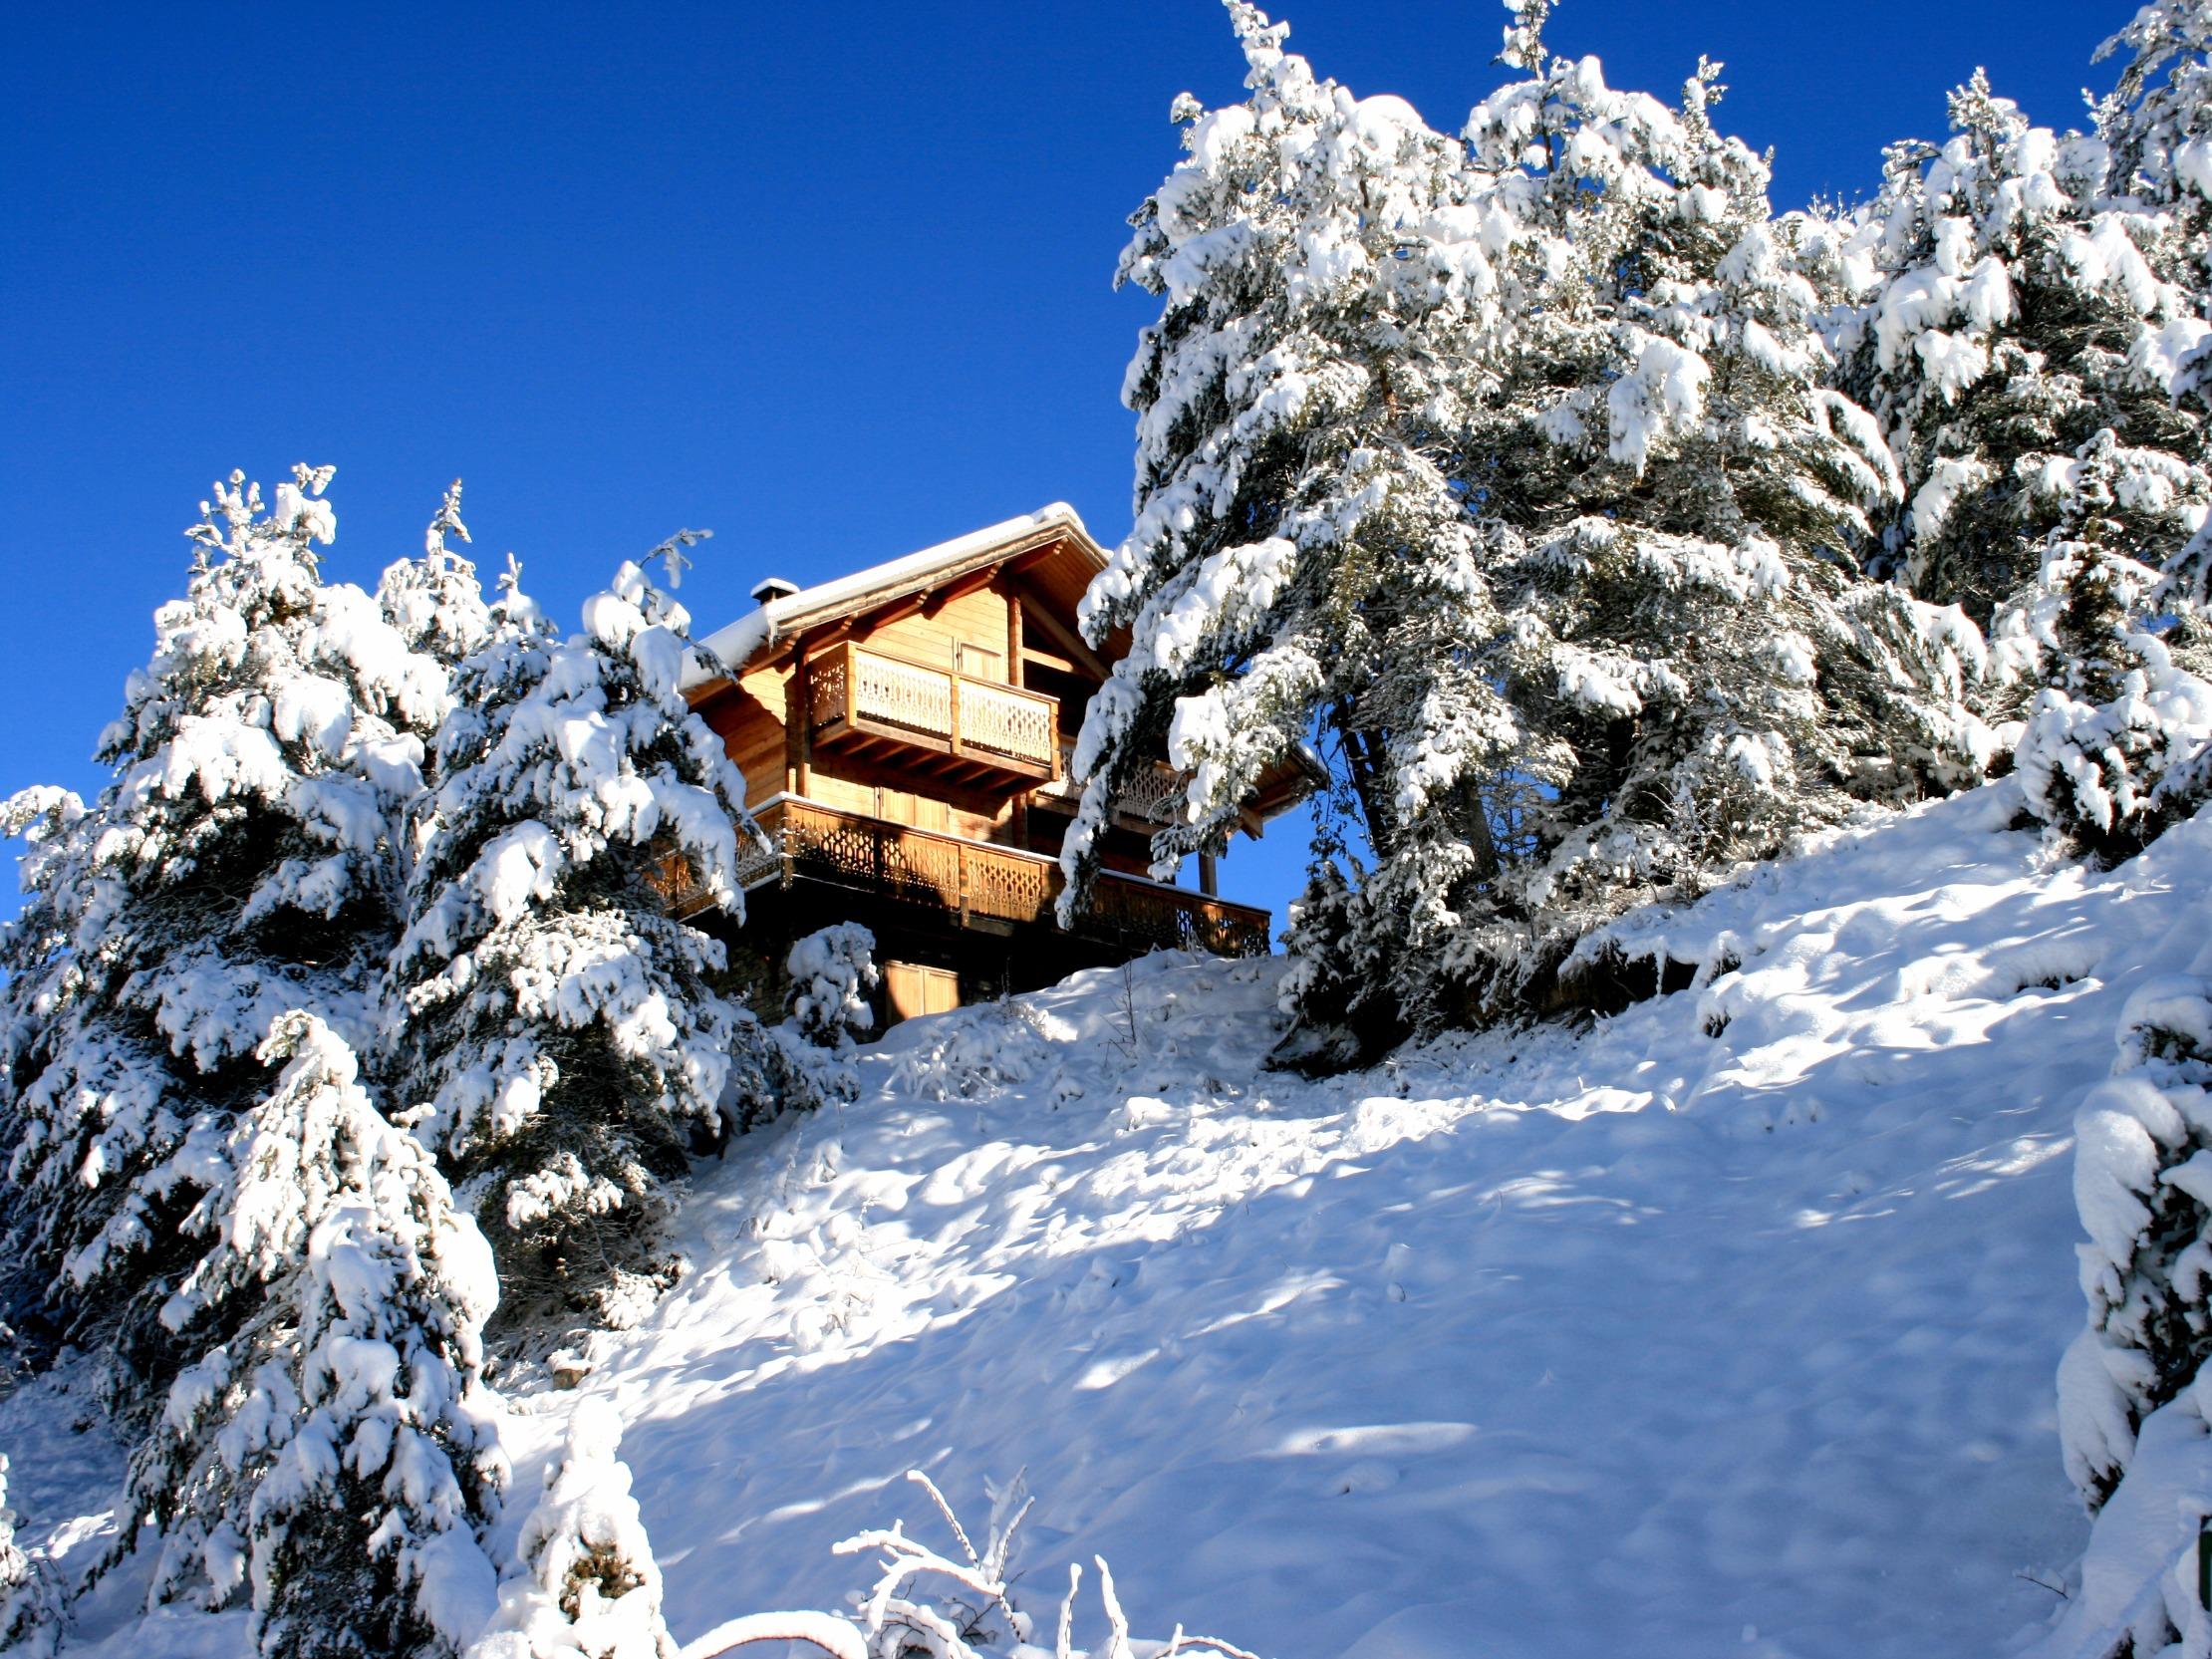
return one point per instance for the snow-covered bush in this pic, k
(971, 1053)
(809, 1056)
(584, 1585)
(970, 1614)
(555, 1034)
(2134, 1394)
(832, 972)
(30, 1602)
(2143, 1185)
(331, 1452)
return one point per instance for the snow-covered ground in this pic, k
(1726, 1326)
(1648, 1340)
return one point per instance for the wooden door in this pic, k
(978, 663)
(916, 990)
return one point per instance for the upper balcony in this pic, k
(866, 701)
(1151, 798)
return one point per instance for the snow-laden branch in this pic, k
(833, 1635)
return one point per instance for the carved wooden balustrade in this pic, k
(990, 884)
(858, 692)
(1149, 799)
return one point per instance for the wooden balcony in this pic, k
(1149, 800)
(972, 730)
(995, 887)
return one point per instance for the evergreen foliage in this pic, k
(330, 1451)
(556, 1034)
(1301, 567)
(1676, 500)
(2014, 313)
(1503, 470)
(240, 865)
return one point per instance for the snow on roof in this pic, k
(742, 641)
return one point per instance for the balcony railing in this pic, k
(994, 883)
(858, 692)
(1151, 798)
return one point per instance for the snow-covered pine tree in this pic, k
(2156, 125)
(239, 865)
(56, 834)
(436, 600)
(2143, 1185)
(585, 1584)
(332, 1453)
(2009, 314)
(557, 1035)
(1674, 501)
(1302, 568)
(2097, 755)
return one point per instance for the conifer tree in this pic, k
(1302, 568)
(556, 1033)
(1508, 472)
(2110, 752)
(2014, 313)
(331, 1454)
(240, 865)
(1674, 501)
(2156, 125)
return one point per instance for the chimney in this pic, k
(773, 589)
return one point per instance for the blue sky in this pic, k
(832, 279)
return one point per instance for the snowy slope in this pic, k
(1644, 1342)
(1727, 1327)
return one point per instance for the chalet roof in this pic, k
(1075, 559)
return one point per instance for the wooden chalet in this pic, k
(905, 733)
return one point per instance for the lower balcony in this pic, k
(995, 887)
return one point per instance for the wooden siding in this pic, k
(976, 619)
